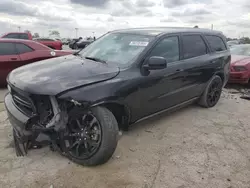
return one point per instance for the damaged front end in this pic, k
(39, 120)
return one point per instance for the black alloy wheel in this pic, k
(90, 137)
(214, 93)
(84, 136)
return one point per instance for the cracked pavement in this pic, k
(193, 147)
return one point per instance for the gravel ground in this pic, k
(193, 147)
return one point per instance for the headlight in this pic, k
(239, 68)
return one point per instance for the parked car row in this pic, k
(53, 44)
(18, 52)
(80, 101)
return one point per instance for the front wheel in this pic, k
(212, 93)
(91, 138)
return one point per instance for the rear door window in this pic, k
(167, 48)
(12, 35)
(193, 46)
(7, 48)
(22, 48)
(216, 43)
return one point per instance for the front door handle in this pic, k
(14, 58)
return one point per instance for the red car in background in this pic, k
(16, 52)
(54, 44)
(240, 64)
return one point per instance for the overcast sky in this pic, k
(232, 17)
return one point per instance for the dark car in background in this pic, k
(72, 43)
(16, 52)
(83, 43)
(81, 101)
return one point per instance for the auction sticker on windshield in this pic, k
(138, 43)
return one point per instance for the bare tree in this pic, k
(36, 35)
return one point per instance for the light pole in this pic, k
(19, 28)
(76, 31)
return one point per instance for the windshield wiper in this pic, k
(95, 59)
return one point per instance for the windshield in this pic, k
(118, 48)
(241, 50)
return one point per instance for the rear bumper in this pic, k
(239, 77)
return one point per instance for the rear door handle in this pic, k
(14, 58)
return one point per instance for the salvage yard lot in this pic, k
(193, 147)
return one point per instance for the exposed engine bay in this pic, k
(48, 126)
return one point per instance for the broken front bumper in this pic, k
(27, 132)
(18, 121)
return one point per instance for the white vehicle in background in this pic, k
(233, 42)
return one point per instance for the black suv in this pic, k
(81, 101)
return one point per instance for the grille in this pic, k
(23, 102)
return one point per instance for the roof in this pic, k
(31, 43)
(154, 31)
(15, 40)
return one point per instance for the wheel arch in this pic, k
(221, 75)
(119, 110)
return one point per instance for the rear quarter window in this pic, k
(216, 43)
(22, 48)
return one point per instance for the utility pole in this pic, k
(212, 26)
(76, 31)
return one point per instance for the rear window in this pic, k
(12, 35)
(23, 36)
(216, 43)
(7, 48)
(193, 46)
(22, 48)
(44, 39)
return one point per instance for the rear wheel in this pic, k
(212, 93)
(91, 138)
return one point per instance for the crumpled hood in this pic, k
(53, 76)
(240, 60)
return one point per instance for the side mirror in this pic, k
(155, 63)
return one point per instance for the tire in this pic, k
(205, 98)
(109, 139)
